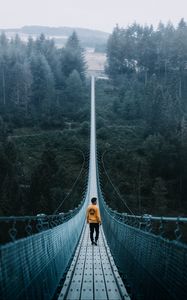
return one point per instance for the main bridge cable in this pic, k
(76, 180)
(115, 189)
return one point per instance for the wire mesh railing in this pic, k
(32, 267)
(150, 251)
(14, 228)
(154, 265)
(36, 250)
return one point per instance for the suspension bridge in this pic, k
(133, 260)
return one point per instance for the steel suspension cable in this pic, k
(75, 182)
(115, 189)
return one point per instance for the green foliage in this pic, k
(3, 130)
(40, 169)
(143, 110)
(141, 120)
(10, 195)
(42, 181)
(160, 192)
(36, 79)
(74, 92)
(43, 87)
(73, 57)
(42, 84)
(145, 51)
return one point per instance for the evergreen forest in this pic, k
(141, 122)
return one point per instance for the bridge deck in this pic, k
(93, 274)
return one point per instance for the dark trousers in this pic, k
(94, 226)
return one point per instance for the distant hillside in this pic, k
(89, 38)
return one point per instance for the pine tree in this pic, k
(74, 91)
(72, 57)
(42, 87)
(114, 50)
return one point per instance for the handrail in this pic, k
(16, 227)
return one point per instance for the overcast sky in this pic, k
(95, 14)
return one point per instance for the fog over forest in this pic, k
(141, 114)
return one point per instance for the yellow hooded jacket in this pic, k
(93, 214)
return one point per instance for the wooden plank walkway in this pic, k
(93, 274)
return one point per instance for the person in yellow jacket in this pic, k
(94, 219)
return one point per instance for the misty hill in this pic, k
(89, 38)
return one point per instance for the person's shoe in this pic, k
(95, 243)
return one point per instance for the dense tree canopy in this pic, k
(141, 120)
(148, 68)
(34, 78)
(44, 87)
